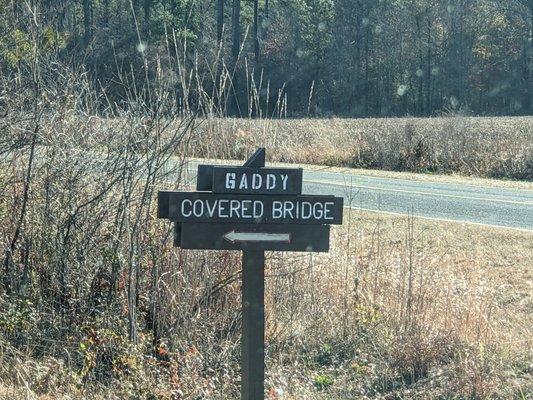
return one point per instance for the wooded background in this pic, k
(322, 57)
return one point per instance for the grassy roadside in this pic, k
(428, 310)
(412, 176)
(400, 308)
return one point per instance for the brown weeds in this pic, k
(496, 147)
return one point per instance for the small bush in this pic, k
(323, 382)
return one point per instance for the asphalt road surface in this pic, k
(510, 208)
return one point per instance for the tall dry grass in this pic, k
(496, 147)
(399, 308)
(404, 309)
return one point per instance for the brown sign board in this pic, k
(269, 181)
(253, 209)
(249, 180)
(254, 237)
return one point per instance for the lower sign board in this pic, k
(253, 209)
(254, 237)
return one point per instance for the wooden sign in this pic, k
(269, 181)
(254, 236)
(256, 209)
(253, 209)
(246, 180)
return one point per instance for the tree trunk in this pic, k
(256, 38)
(105, 16)
(147, 14)
(134, 14)
(356, 79)
(220, 20)
(263, 18)
(235, 54)
(236, 29)
(420, 96)
(428, 69)
(87, 21)
(529, 69)
(367, 72)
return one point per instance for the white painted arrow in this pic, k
(235, 236)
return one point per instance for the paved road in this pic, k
(511, 208)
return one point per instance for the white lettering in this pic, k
(198, 208)
(221, 209)
(327, 210)
(211, 210)
(284, 181)
(317, 211)
(183, 208)
(258, 209)
(246, 207)
(230, 180)
(287, 209)
(239, 208)
(277, 209)
(271, 181)
(244, 182)
(257, 181)
(234, 207)
(309, 210)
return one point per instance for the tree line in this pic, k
(317, 57)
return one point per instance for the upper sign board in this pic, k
(242, 180)
(249, 180)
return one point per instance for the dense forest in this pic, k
(296, 57)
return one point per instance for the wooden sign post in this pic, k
(253, 209)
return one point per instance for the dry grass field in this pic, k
(400, 308)
(444, 307)
(494, 147)
(483, 147)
